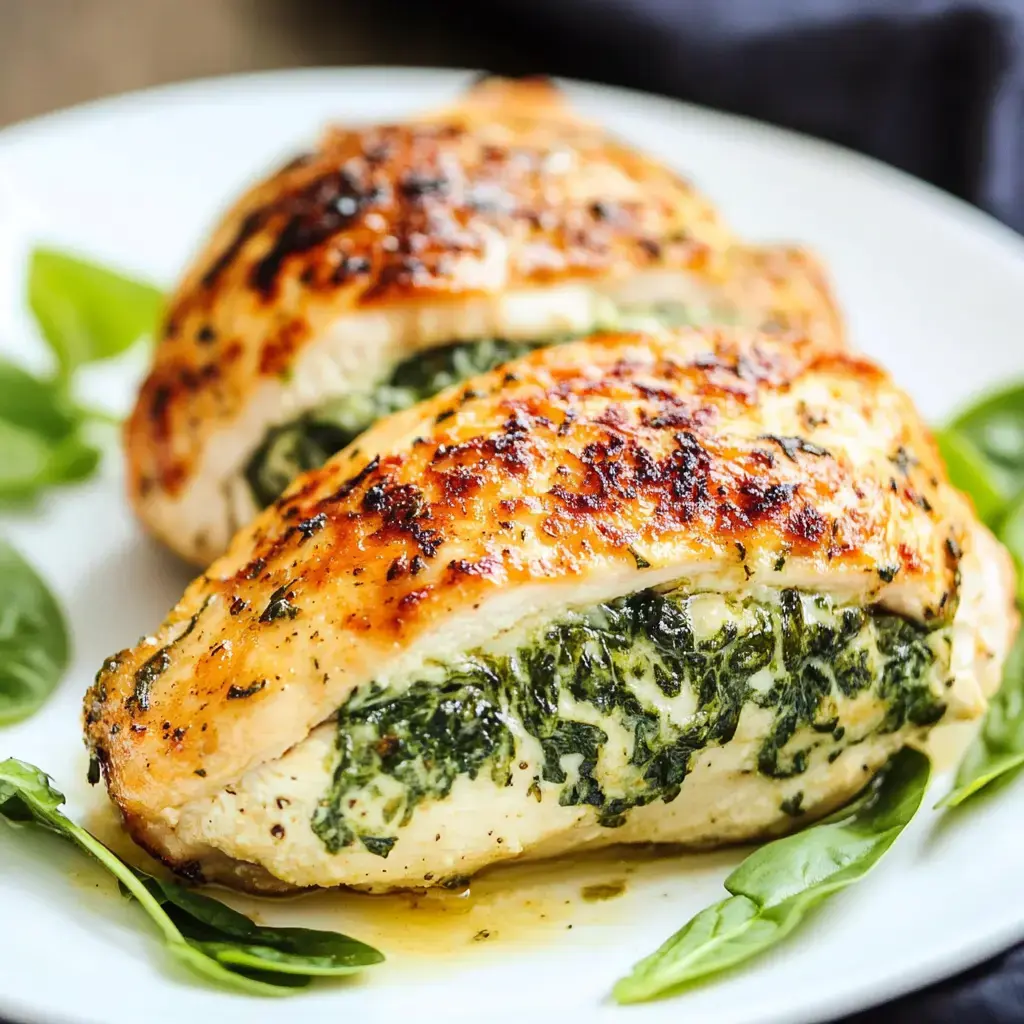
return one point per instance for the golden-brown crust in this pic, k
(748, 458)
(507, 189)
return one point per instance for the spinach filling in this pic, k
(610, 706)
(309, 441)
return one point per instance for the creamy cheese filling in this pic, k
(613, 703)
(308, 441)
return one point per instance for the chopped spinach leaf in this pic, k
(572, 685)
(309, 441)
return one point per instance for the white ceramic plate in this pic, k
(933, 288)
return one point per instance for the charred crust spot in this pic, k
(487, 567)
(327, 205)
(236, 692)
(238, 605)
(251, 224)
(413, 598)
(253, 569)
(399, 567)
(416, 187)
(807, 523)
(349, 267)
(354, 481)
(404, 511)
(650, 247)
(278, 350)
(311, 525)
(760, 500)
(159, 403)
(375, 498)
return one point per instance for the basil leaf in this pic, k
(72, 461)
(301, 950)
(777, 885)
(1011, 533)
(995, 426)
(33, 404)
(255, 967)
(24, 462)
(971, 472)
(88, 312)
(999, 746)
(29, 463)
(41, 442)
(34, 644)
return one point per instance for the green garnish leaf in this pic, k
(289, 950)
(88, 312)
(995, 427)
(970, 472)
(210, 938)
(777, 885)
(1011, 533)
(999, 746)
(34, 404)
(34, 644)
(984, 453)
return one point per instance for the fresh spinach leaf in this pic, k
(290, 950)
(85, 312)
(995, 426)
(29, 462)
(984, 453)
(1011, 533)
(970, 471)
(35, 404)
(778, 884)
(34, 644)
(88, 312)
(999, 746)
(24, 462)
(210, 938)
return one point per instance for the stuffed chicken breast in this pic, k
(393, 261)
(693, 587)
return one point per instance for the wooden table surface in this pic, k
(54, 53)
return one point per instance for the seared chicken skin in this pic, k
(502, 223)
(692, 587)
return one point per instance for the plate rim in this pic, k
(967, 220)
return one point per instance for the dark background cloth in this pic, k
(935, 87)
